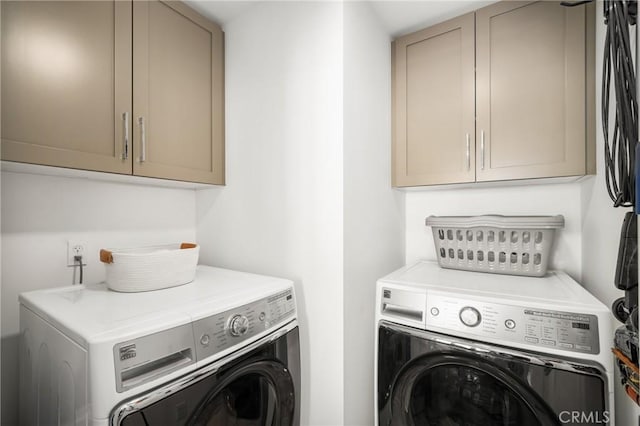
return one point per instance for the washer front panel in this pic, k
(573, 332)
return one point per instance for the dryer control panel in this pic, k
(150, 357)
(147, 358)
(221, 331)
(569, 331)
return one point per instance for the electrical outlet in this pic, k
(76, 248)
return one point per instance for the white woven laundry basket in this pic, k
(515, 245)
(150, 268)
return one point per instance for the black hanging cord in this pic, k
(619, 147)
(78, 260)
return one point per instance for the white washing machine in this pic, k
(221, 350)
(468, 348)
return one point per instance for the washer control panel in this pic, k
(221, 331)
(574, 332)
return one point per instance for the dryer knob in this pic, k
(238, 325)
(470, 316)
(205, 339)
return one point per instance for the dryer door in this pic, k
(447, 389)
(426, 378)
(257, 388)
(260, 393)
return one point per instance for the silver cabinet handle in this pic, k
(468, 153)
(143, 141)
(482, 149)
(125, 143)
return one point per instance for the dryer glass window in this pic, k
(259, 393)
(256, 389)
(462, 390)
(424, 380)
(250, 400)
(461, 395)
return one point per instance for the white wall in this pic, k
(281, 211)
(40, 213)
(373, 211)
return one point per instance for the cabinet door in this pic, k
(531, 96)
(178, 93)
(434, 105)
(66, 83)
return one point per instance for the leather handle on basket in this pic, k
(106, 256)
(187, 246)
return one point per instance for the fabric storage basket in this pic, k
(150, 268)
(516, 245)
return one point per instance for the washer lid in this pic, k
(91, 313)
(555, 289)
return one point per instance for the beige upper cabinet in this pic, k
(178, 93)
(114, 86)
(533, 98)
(66, 83)
(434, 128)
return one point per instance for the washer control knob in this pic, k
(510, 324)
(470, 316)
(238, 325)
(204, 340)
